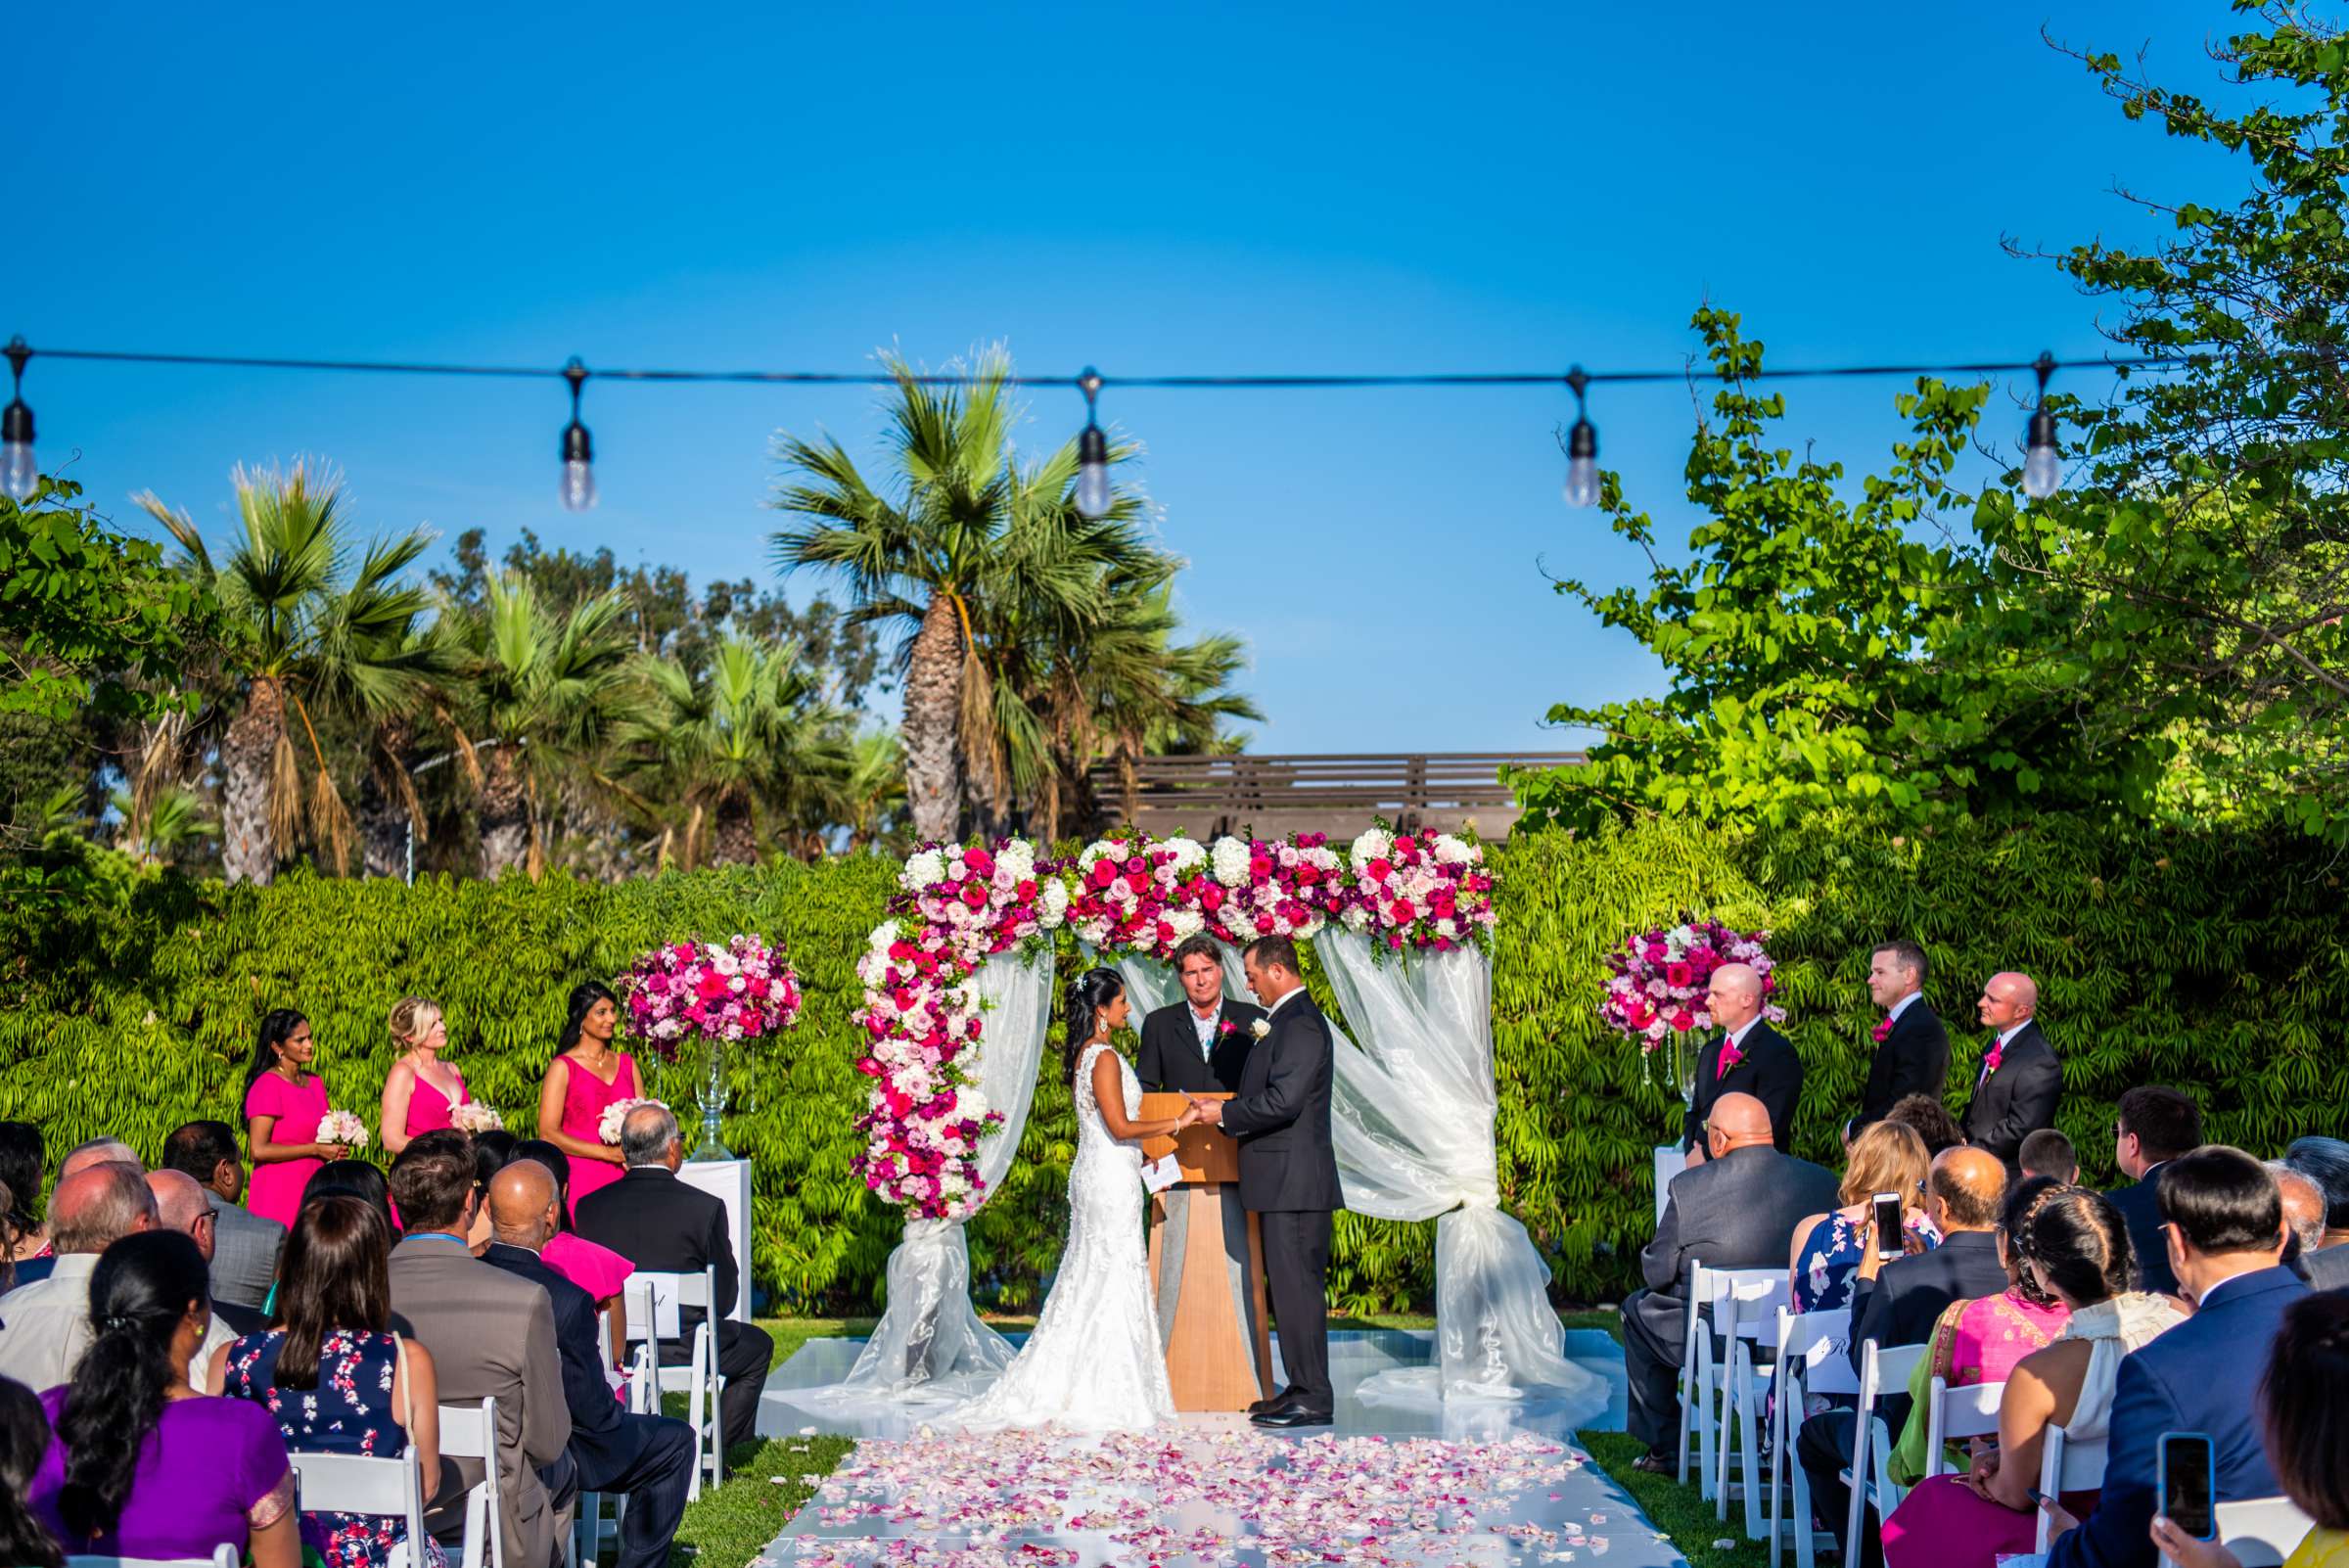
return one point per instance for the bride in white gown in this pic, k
(1093, 1363)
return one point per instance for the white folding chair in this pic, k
(2066, 1466)
(1811, 1359)
(1750, 1314)
(2262, 1532)
(1870, 1473)
(350, 1483)
(470, 1432)
(1701, 1371)
(1959, 1413)
(223, 1555)
(652, 1300)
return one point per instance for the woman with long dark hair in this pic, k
(1094, 1362)
(331, 1375)
(143, 1466)
(588, 1072)
(23, 1439)
(284, 1103)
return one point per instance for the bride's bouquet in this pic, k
(340, 1126)
(607, 1130)
(475, 1118)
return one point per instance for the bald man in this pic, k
(1750, 1058)
(98, 1151)
(647, 1459)
(2020, 1083)
(179, 1206)
(1736, 1210)
(1898, 1303)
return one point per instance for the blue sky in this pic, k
(1152, 190)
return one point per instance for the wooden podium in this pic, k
(1207, 1271)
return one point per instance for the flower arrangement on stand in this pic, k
(1417, 890)
(1657, 981)
(723, 994)
(957, 905)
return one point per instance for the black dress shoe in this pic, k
(1277, 1399)
(1284, 1416)
(1656, 1464)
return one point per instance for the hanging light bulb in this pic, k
(579, 448)
(20, 475)
(1092, 453)
(1582, 448)
(2043, 464)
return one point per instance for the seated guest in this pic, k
(2303, 1211)
(1932, 1121)
(39, 1264)
(490, 1152)
(597, 1269)
(2153, 1126)
(1750, 1058)
(2021, 1082)
(143, 1466)
(8, 1241)
(355, 1178)
(98, 1151)
(663, 1226)
(647, 1459)
(1886, 1157)
(23, 1439)
(2075, 1246)
(1734, 1211)
(244, 1244)
(492, 1335)
(2326, 1162)
(1897, 1302)
(2224, 1224)
(2048, 1153)
(335, 1379)
(44, 1326)
(22, 1159)
(2304, 1390)
(1979, 1341)
(179, 1206)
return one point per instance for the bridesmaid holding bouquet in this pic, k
(284, 1105)
(587, 1075)
(423, 1092)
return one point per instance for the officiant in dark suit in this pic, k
(1289, 1175)
(2021, 1080)
(1749, 1058)
(1199, 1044)
(1913, 1049)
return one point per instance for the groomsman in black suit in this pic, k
(2021, 1082)
(1198, 1046)
(1749, 1058)
(1913, 1054)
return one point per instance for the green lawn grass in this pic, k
(1675, 1510)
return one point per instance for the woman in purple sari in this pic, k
(143, 1466)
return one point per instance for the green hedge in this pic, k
(2213, 962)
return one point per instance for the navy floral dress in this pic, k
(349, 1411)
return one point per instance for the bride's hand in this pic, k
(1189, 1116)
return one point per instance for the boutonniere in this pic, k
(1882, 1032)
(1228, 1027)
(1260, 1028)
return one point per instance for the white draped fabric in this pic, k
(930, 1344)
(1411, 1120)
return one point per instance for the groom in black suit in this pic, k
(1749, 1058)
(1289, 1175)
(1200, 1045)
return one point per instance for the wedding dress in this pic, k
(1093, 1363)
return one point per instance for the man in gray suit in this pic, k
(490, 1334)
(244, 1244)
(1738, 1209)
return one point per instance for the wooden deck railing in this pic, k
(1334, 794)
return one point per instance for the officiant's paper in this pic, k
(1162, 1174)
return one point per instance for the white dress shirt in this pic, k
(1902, 1006)
(1205, 1027)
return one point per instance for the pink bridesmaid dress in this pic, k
(276, 1190)
(586, 1097)
(429, 1110)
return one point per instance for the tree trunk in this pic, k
(504, 812)
(933, 703)
(383, 823)
(736, 839)
(248, 850)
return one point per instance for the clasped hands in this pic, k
(1200, 1112)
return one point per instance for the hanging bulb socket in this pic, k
(1581, 446)
(2043, 460)
(578, 490)
(1092, 453)
(19, 472)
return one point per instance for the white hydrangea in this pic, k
(1051, 903)
(1231, 857)
(1187, 854)
(1376, 844)
(1236, 920)
(1019, 859)
(1356, 917)
(884, 937)
(1184, 923)
(923, 869)
(1454, 850)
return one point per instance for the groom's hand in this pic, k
(1211, 1112)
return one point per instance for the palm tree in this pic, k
(872, 794)
(753, 729)
(535, 690)
(305, 625)
(963, 538)
(173, 820)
